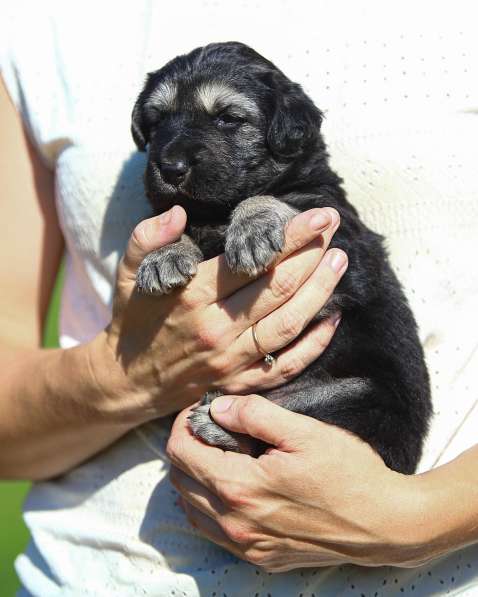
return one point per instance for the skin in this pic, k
(159, 354)
(319, 496)
(59, 407)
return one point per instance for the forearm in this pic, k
(56, 411)
(449, 505)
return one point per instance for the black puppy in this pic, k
(238, 145)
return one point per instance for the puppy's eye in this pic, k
(225, 120)
(155, 115)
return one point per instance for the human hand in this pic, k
(161, 353)
(318, 497)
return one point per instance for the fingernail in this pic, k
(165, 217)
(336, 260)
(334, 216)
(320, 220)
(221, 404)
(335, 319)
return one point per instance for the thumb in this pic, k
(149, 235)
(262, 419)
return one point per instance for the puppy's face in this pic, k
(220, 124)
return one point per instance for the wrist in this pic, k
(408, 530)
(114, 396)
(396, 521)
(426, 521)
(449, 516)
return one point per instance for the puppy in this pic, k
(232, 140)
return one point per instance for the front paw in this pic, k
(203, 427)
(168, 268)
(256, 234)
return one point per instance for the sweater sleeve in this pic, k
(30, 66)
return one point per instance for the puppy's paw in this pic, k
(168, 268)
(256, 234)
(210, 396)
(203, 427)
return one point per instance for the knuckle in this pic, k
(328, 284)
(189, 299)
(248, 409)
(195, 295)
(284, 284)
(293, 241)
(220, 364)
(231, 495)
(226, 496)
(257, 557)
(291, 369)
(236, 532)
(208, 336)
(321, 341)
(173, 449)
(291, 325)
(138, 238)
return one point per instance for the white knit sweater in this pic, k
(398, 84)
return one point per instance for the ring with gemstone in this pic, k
(269, 359)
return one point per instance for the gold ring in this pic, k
(269, 360)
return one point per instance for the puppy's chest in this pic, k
(210, 238)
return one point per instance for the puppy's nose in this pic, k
(174, 172)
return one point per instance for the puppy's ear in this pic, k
(139, 127)
(295, 121)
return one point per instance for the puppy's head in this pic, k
(220, 124)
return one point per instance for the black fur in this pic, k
(372, 379)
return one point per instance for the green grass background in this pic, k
(13, 533)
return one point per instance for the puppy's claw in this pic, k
(204, 428)
(162, 271)
(210, 396)
(207, 430)
(256, 234)
(252, 252)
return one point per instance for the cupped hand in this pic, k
(164, 352)
(318, 497)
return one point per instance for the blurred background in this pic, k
(13, 533)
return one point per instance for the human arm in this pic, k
(59, 407)
(44, 425)
(320, 496)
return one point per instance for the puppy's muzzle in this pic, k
(174, 172)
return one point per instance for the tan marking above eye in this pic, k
(164, 96)
(215, 97)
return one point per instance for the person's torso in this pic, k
(401, 123)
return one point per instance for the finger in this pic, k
(210, 466)
(149, 235)
(260, 418)
(264, 295)
(284, 324)
(290, 361)
(196, 494)
(214, 280)
(211, 530)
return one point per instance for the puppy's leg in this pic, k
(353, 403)
(205, 428)
(256, 233)
(362, 406)
(319, 401)
(170, 267)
